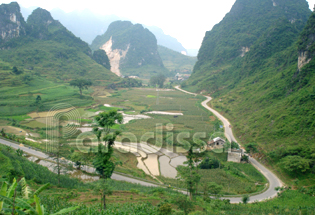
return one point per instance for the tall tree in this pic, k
(103, 189)
(251, 148)
(103, 162)
(81, 84)
(157, 80)
(295, 164)
(184, 204)
(215, 189)
(189, 173)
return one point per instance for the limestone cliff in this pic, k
(12, 24)
(131, 49)
(303, 59)
(306, 43)
(114, 55)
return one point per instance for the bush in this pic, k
(209, 163)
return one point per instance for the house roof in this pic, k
(217, 139)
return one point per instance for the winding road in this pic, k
(274, 181)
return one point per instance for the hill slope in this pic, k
(132, 49)
(46, 48)
(176, 62)
(259, 81)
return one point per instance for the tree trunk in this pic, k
(104, 202)
(58, 168)
(190, 195)
(80, 91)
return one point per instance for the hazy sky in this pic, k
(185, 20)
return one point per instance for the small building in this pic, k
(235, 155)
(217, 142)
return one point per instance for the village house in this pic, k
(217, 142)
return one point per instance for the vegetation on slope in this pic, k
(142, 55)
(264, 95)
(50, 50)
(175, 61)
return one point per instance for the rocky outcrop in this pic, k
(303, 59)
(131, 49)
(12, 23)
(114, 56)
(274, 3)
(244, 50)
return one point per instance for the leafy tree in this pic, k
(157, 80)
(38, 102)
(126, 83)
(3, 134)
(234, 145)
(209, 163)
(189, 173)
(251, 148)
(165, 208)
(16, 71)
(245, 199)
(215, 189)
(102, 161)
(295, 164)
(244, 158)
(61, 166)
(81, 84)
(26, 78)
(103, 189)
(206, 197)
(78, 159)
(19, 152)
(38, 99)
(184, 204)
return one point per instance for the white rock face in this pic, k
(11, 32)
(244, 51)
(303, 60)
(292, 20)
(13, 17)
(274, 3)
(114, 55)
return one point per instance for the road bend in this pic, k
(274, 181)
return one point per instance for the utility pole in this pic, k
(157, 96)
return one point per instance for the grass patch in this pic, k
(151, 96)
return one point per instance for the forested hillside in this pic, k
(46, 49)
(257, 65)
(175, 61)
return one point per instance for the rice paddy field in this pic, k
(194, 119)
(178, 117)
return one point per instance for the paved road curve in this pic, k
(42, 155)
(274, 181)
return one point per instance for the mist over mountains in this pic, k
(87, 25)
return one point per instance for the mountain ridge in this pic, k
(132, 49)
(45, 39)
(263, 81)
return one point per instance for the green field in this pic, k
(195, 118)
